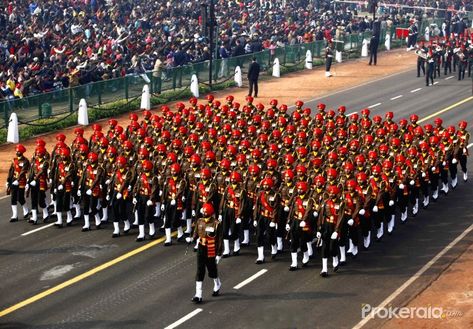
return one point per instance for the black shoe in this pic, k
(140, 239)
(335, 269)
(98, 227)
(195, 249)
(259, 262)
(236, 253)
(136, 226)
(225, 255)
(196, 300)
(273, 256)
(152, 236)
(343, 263)
(85, 229)
(58, 225)
(45, 220)
(34, 222)
(126, 231)
(27, 215)
(323, 274)
(181, 239)
(167, 244)
(13, 220)
(305, 264)
(244, 244)
(280, 252)
(115, 235)
(292, 268)
(69, 224)
(216, 293)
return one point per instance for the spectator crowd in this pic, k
(48, 45)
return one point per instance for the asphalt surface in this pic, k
(152, 289)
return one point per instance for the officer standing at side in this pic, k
(253, 75)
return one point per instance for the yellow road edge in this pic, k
(147, 246)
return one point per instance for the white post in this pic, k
(364, 48)
(12, 135)
(338, 56)
(276, 68)
(83, 116)
(195, 86)
(308, 60)
(387, 41)
(145, 98)
(238, 78)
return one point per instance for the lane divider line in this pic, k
(184, 319)
(38, 229)
(446, 109)
(416, 90)
(418, 274)
(374, 105)
(397, 97)
(251, 278)
(448, 78)
(436, 82)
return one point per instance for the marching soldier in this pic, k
(208, 231)
(464, 137)
(350, 224)
(90, 191)
(38, 182)
(63, 180)
(16, 182)
(145, 194)
(119, 196)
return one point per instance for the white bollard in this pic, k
(338, 56)
(308, 60)
(238, 78)
(364, 48)
(145, 98)
(12, 135)
(276, 68)
(83, 115)
(195, 86)
(387, 42)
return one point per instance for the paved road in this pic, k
(153, 288)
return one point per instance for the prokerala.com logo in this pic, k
(391, 312)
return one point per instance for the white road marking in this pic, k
(416, 90)
(436, 82)
(469, 145)
(184, 319)
(448, 78)
(38, 229)
(251, 278)
(374, 105)
(399, 96)
(349, 114)
(5, 196)
(418, 274)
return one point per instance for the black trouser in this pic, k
(420, 66)
(172, 216)
(63, 201)
(145, 212)
(444, 173)
(299, 237)
(328, 64)
(263, 230)
(374, 51)
(38, 197)
(204, 261)
(434, 180)
(282, 220)
(329, 245)
(452, 168)
(89, 204)
(429, 77)
(463, 160)
(365, 223)
(388, 210)
(247, 215)
(378, 217)
(461, 70)
(402, 198)
(17, 195)
(413, 193)
(156, 85)
(119, 209)
(447, 67)
(231, 230)
(253, 84)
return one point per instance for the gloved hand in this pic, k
(433, 168)
(27, 187)
(238, 220)
(189, 239)
(72, 184)
(444, 163)
(288, 227)
(401, 186)
(334, 236)
(412, 182)
(107, 197)
(88, 192)
(55, 191)
(272, 224)
(423, 174)
(162, 207)
(107, 182)
(351, 222)
(220, 218)
(217, 259)
(255, 223)
(391, 203)
(60, 187)
(201, 211)
(362, 212)
(160, 192)
(173, 202)
(134, 201)
(79, 193)
(375, 209)
(286, 209)
(183, 199)
(33, 183)
(316, 214)
(318, 235)
(119, 196)
(50, 181)
(7, 185)
(194, 213)
(149, 203)
(454, 161)
(302, 224)
(15, 182)
(129, 188)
